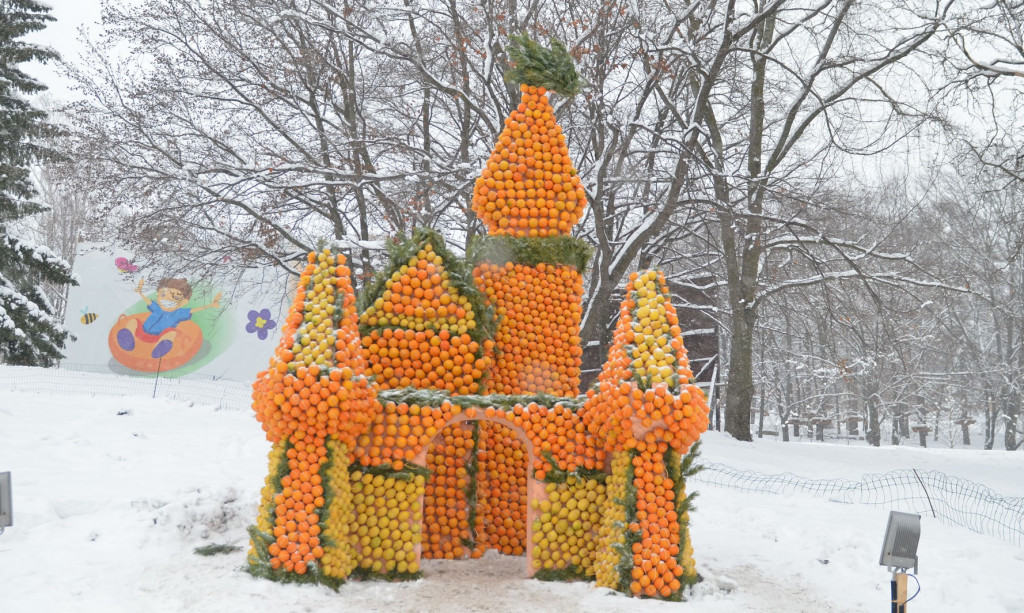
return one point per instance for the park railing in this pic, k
(951, 500)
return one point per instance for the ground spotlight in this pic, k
(6, 518)
(899, 552)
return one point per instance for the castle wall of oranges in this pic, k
(441, 417)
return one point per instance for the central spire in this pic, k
(529, 186)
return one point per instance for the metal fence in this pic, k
(93, 380)
(951, 500)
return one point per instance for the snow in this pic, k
(112, 494)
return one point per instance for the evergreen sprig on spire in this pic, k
(534, 64)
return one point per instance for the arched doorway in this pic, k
(477, 496)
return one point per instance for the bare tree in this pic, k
(765, 152)
(257, 129)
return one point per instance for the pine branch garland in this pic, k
(551, 68)
(409, 471)
(569, 573)
(505, 402)
(472, 484)
(215, 549)
(530, 251)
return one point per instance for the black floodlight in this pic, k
(6, 518)
(899, 551)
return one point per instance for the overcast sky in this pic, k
(63, 36)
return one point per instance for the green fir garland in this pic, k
(625, 549)
(684, 503)
(556, 474)
(504, 402)
(529, 251)
(408, 472)
(569, 573)
(216, 549)
(533, 64)
(471, 488)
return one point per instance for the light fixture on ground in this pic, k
(899, 552)
(6, 518)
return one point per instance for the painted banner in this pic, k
(132, 321)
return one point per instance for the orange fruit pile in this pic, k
(419, 296)
(315, 386)
(426, 359)
(529, 186)
(656, 568)
(644, 399)
(537, 343)
(501, 490)
(422, 330)
(400, 432)
(445, 501)
(557, 431)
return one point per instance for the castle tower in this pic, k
(530, 197)
(313, 401)
(648, 413)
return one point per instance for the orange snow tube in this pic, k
(187, 341)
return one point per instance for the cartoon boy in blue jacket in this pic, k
(165, 313)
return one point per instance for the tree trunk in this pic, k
(990, 425)
(873, 434)
(760, 424)
(739, 392)
(1012, 412)
(897, 419)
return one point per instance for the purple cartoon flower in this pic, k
(260, 323)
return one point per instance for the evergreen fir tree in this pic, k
(30, 332)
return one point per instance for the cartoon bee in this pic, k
(87, 317)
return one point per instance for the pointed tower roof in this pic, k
(645, 385)
(316, 381)
(426, 287)
(529, 186)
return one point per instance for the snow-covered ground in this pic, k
(112, 494)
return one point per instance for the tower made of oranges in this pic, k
(313, 401)
(648, 414)
(530, 197)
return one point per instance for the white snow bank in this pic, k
(111, 496)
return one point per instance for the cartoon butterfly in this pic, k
(124, 265)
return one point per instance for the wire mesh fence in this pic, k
(951, 500)
(95, 380)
